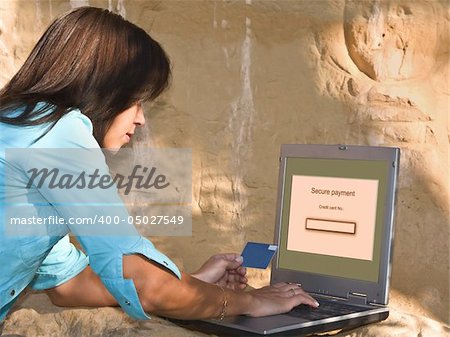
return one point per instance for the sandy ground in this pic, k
(35, 316)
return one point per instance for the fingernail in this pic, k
(239, 259)
(316, 303)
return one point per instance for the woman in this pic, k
(82, 87)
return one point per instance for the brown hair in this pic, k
(90, 59)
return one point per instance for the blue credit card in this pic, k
(258, 255)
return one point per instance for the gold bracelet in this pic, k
(224, 305)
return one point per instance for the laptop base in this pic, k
(216, 327)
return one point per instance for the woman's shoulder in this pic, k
(74, 129)
(75, 118)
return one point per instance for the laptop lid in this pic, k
(334, 223)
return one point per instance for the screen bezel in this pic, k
(375, 292)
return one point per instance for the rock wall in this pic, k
(251, 75)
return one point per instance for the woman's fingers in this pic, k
(290, 290)
(294, 290)
(304, 297)
(241, 271)
(235, 278)
(280, 298)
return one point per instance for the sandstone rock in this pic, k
(391, 40)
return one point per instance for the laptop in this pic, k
(334, 231)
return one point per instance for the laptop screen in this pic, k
(333, 216)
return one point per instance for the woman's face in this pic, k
(122, 128)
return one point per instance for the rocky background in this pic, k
(251, 75)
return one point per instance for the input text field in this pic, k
(345, 227)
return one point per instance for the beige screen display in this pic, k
(333, 216)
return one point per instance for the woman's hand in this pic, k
(278, 298)
(224, 270)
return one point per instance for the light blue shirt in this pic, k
(46, 258)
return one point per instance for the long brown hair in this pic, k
(90, 59)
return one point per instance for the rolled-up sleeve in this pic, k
(105, 242)
(63, 263)
(109, 263)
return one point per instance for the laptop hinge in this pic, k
(356, 298)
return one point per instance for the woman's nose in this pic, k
(140, 118)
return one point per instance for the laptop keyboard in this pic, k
(326, 309)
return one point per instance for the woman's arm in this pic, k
(84, 290)
(161, 293)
